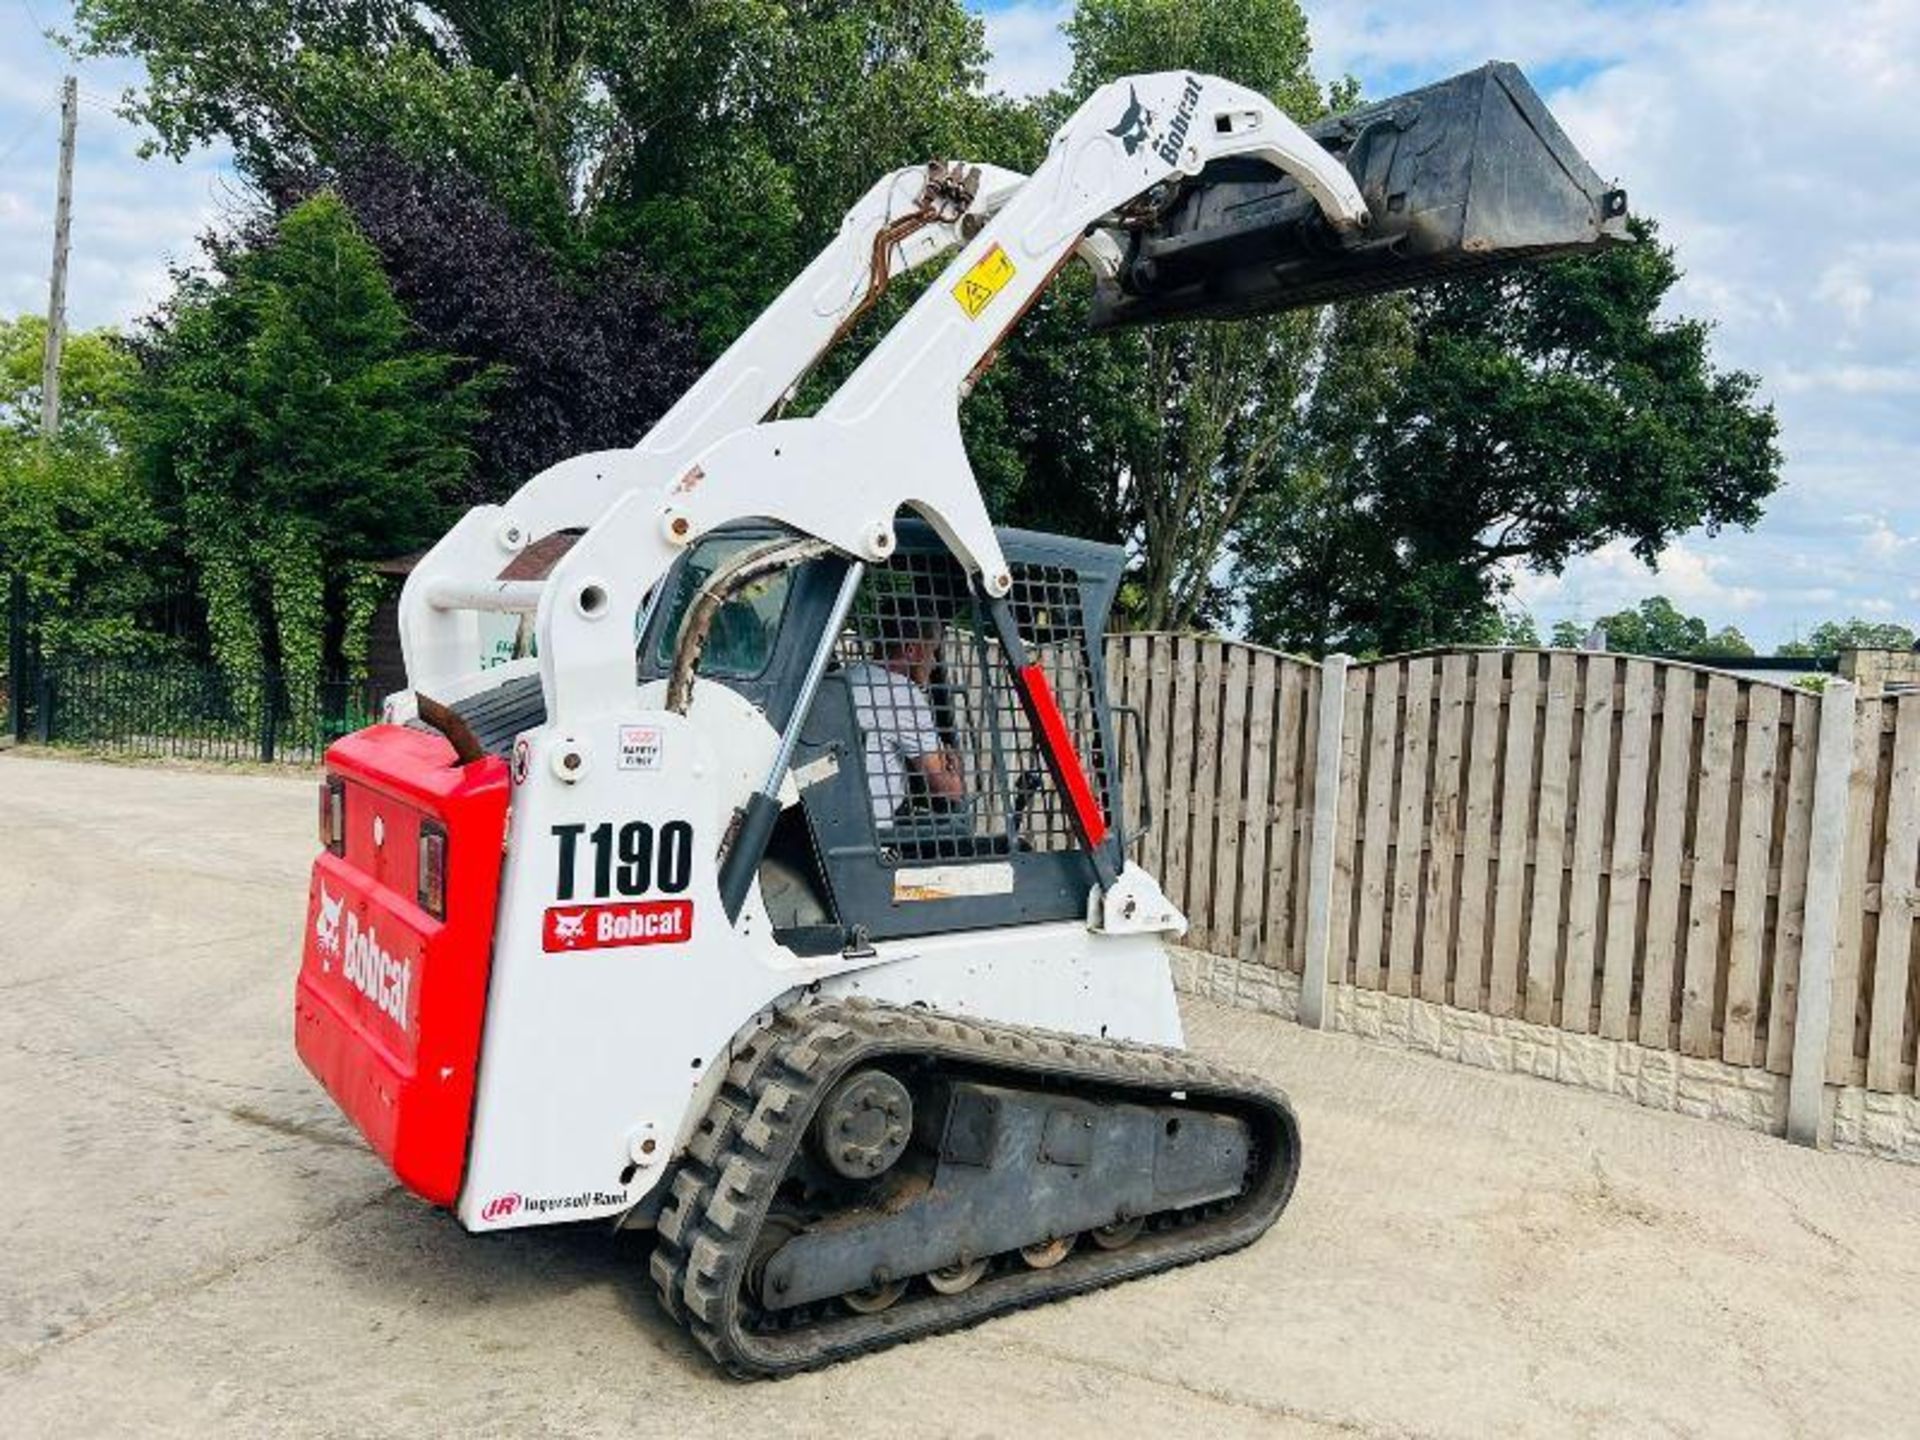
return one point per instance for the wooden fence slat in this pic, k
(1443, 830)
(1589, 840)
(1139, 695)
(1186, 668)
(1470, 944)
(1382, 744)
(1250, 906)
(1516, 832)
(1126, 677)
(1206, 772)
(1410, 826)
(1346, 849)
(1669, 836)
(1550, 836)
(1893, 955)
(1709, 866)
(1326, 694)
(1843, 1040)
(1833, 769)
(1229, 816)
(1301, 828)
(1153, 853)
(1287, 816)
(1746, 949)
(1627, 864)
(1490, 844)
(1790, 924)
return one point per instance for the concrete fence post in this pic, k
(1813, 1008)
(1315, 980)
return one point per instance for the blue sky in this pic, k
(1773, 139)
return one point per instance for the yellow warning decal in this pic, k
(987, 278)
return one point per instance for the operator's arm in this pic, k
(922, 746)
(940, 770)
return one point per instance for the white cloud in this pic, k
(1849, 379)
(1614, 578)
(1772, 139)
(1774, 142)
(131, 218)
(1030, 53)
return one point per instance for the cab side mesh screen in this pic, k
(953, 769)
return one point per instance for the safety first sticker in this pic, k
(987, 277)
(639, 747)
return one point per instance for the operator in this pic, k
(907, 757)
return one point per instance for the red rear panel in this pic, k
(390, 1000)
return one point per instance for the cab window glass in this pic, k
(740, 642)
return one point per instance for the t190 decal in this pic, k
(628, 861)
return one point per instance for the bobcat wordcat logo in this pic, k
(632, 922)
(326, 926)
(1132, 129)
(374, 971)
(1169, 147)
(1136, 127)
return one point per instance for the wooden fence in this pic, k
(1606, 844)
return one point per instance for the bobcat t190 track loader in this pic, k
(781, 899)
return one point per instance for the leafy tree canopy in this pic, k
(1655, 627)
(725, 138)
(1368, 476)
(1163, 439)
(95, 370)
(72, 521)
(581, 362)
(291, 425)
(1529, 420)
(1832, 636)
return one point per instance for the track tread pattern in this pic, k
(726, 1178)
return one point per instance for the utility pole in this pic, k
(57, 298)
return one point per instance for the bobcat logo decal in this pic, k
(1132, 129)
(326, 926)
(570, 929)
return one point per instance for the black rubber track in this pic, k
(721, 1189)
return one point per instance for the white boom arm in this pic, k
(890, 437)
(907, 219)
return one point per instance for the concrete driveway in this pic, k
(195, 1244)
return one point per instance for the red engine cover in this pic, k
(390, 1001)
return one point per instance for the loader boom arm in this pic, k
(1145, 180)
(889, 438)
(906, 220)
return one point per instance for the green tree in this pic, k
(724, 140)
(1655, 627)
(1536, 417)
(1831, 636)
(1502, 625)
(1365, 476)
(293, 428)
(73, 522)
(1165, 438)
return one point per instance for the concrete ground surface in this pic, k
(195, 1243)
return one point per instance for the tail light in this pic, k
(433, 870)
(333, 815)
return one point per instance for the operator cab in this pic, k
(926, 805)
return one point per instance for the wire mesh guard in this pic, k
(954, 769)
